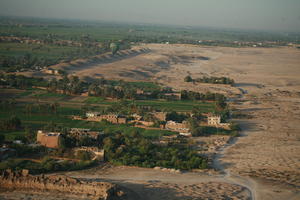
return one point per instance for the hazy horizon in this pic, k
(266, 15)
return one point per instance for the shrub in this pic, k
(83, 155)
(234, 126)
(188, 79)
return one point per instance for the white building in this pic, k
(93, 114)
(214, 120)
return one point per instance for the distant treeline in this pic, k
(39, 56)
(21, 82)
(212, 79)
(190, 95)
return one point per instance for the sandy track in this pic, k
(156, 184)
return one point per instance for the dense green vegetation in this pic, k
(190, 95)
(11, 124)
(138, 151)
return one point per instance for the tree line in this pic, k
(212, 79)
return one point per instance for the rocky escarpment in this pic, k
(64, 184)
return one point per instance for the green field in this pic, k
(92, 100)
(179, 106)
(146, 86)
(49, 94)
(45, 51)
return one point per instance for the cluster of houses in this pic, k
(215, 120)
(53, 139)
(182, 128)
(112, 118)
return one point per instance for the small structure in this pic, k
(179, 127)
(122, 120)
(145, 123)
(115, 119)
(82, 132)
(213, 119)
(48, 139)
(136, 116)
(98, 154)
(167, 139)
(161, 116)
(175, 96)
(92, 114)
(52, 71)
(186, 134)
(139, 91)
(112, 118)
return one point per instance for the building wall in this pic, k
(122, 120)
(174, 125)
(214, 120)
(161, 116)
(179, 127)
(50, 141)
(145, 123)
(92, 114)
(81, 132)
(111, 118)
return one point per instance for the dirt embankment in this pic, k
(80, 64)
(61, 184)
